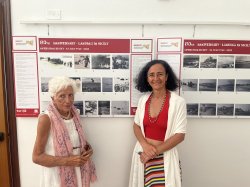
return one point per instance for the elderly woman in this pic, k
(60, 144)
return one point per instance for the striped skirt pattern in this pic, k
(154, 172)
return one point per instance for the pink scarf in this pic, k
(63, 147)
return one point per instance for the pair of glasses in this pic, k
(77, 147)
(86, 147)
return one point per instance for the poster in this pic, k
(24, 51)
(100, 67)
(169, 50)
(26, 84)
(214, 74)
(215, 78)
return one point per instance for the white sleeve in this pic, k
(181, 121)
(137, 113)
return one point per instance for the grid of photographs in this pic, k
(219, 110)
(102, 80)
(216, 61)
(216, 85)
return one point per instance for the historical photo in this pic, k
(242, 62)
(120, 107)
(100, 61)
(78, 83)
(90, 108)
(242, 110)
(81, 61)
(55, 61)
(207, 85)
(225, 61)
(208, 61)
(103, 107)
(79, 106)
(189, 84)
(207, 109)
(191, 61)
(120, 61)
(243, 85)
(107, 84)
(192, 109)
(121, 84)
(225, 109)
(91, 84)
(226, 85)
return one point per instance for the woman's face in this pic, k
(157, 77)
(63, 100)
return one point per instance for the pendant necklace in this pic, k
(153, 120)
(66, 117)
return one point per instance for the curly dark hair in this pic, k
(141, 82)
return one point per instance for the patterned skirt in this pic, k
(154, 175)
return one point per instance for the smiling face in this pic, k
(63, 100)
(157, 77)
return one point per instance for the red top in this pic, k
(156, 130)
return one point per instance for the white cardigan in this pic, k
(176, 124)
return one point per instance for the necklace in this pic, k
(151, 120)
(66, 117)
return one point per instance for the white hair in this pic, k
(57, 84)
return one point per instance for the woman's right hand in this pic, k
(149, 150)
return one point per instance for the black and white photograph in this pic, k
(226, 85)
(91, 84)
(45, 84)
(225, 109)
(100, 61)
(189, 84)
(107, 84)
(120, 61)
(243, 85)
(120, 107)
(192, 109)
(242, 109)
(79, 106)
(242, 62)
(191, 61)
(225, 61)
(208, 61)
(81, 61)
(207, 109)
(103, 107)
(78, 83)
(55, 61)
(121, 84)
(207, 85)
(90, 108)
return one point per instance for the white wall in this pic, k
(215, 152)
(111, 138)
